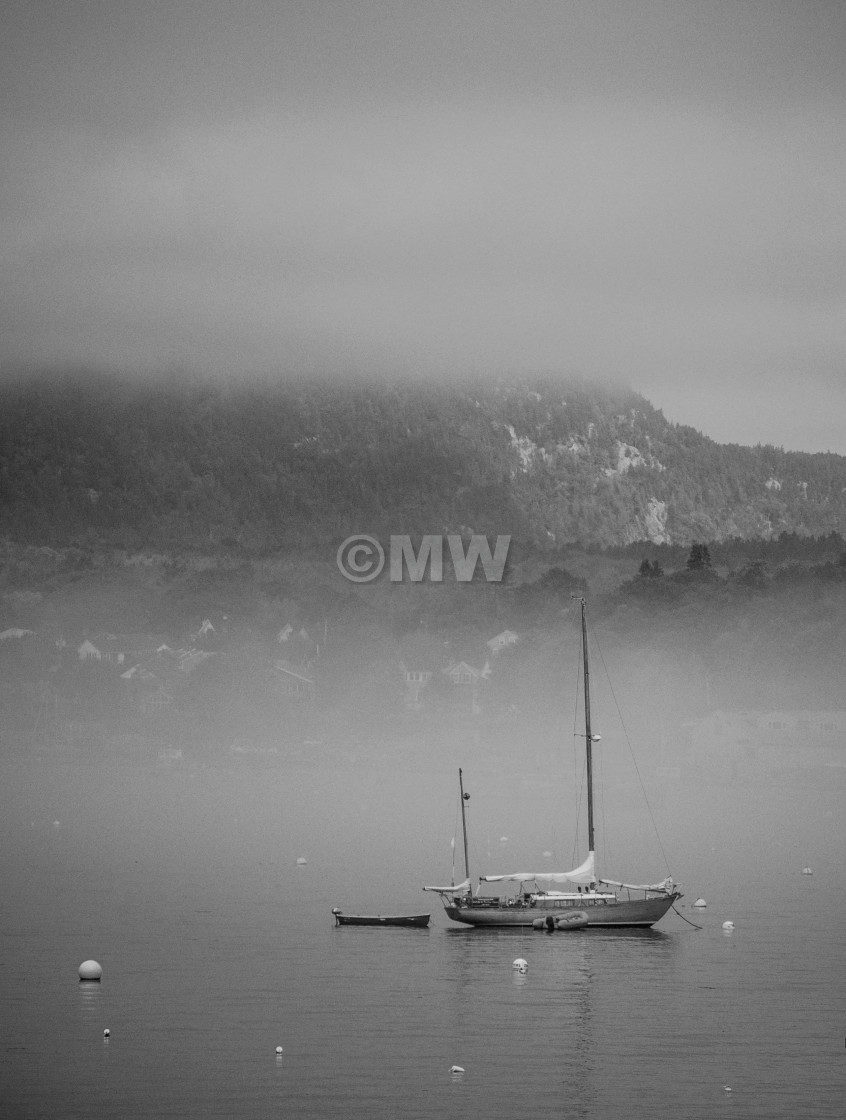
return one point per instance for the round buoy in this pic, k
(57, 824)
(727, 1088)
(520, 963)
(106, 1033)
(90, 970)
(547, 855)
(728, 925)
(456, 1069)
(278, 1049)
(302, 861)
(538, 923)
(807, 871)
(700, 902)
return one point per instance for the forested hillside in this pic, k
(97, 460)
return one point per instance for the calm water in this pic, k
(217, 947)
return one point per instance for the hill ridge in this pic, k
(98, 459)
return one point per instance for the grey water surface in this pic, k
(217, 947)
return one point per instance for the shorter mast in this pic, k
(464, 797)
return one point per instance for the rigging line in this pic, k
(600, 784)
(473, 849)
(454, 837)
(581, 787)
(576, 754)
(578, 779)
(631, 752)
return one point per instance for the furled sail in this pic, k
(665, 885)
(583, 874)
(459, 888)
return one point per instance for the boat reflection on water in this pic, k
(579, 998)
(90, 998)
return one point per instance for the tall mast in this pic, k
(464, 797)
(588, 736)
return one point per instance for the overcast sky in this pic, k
(639, 189)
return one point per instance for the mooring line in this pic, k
(684, 919)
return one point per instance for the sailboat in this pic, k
(591, 899)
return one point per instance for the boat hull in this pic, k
(643, 912)
(412, 921)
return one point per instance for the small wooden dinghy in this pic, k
(414, 921)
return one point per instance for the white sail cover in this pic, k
(583, 874)
(459, 888)
(665, 885)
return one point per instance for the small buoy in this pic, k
(807, 871)
(520, 964)
(106, 1033)
(547, 855)
(278, 1049)
(57, 824)
(700, 902)
(456, 1069)
(90, 970)
(503, 839)
(727, 1088)
(302, 861)
(728, 925)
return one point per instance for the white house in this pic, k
(467, 681)
(14, 632)
(415, 681)
(294, 684)
(502, 641)
(463, 674)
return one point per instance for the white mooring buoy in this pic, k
(807, 871)
(700, 902)
(728, 925)
(106, 1033)
(90, 971)
(456, 1069)
(278, 1049)
(521, 965)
